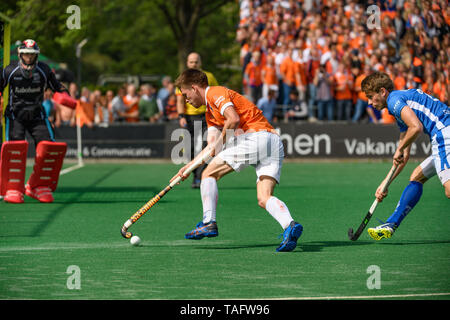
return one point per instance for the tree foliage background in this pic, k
(132, 36)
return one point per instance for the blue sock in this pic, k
(410, 196)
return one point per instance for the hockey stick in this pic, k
(135, 217)
(354, 236)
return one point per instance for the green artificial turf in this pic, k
(39, 242)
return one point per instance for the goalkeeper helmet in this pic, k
(28, 46)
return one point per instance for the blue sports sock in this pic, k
(410, 196)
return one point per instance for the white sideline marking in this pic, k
(103, 245)
(70, 246)
(123, 244)
(412, 295)
(70, 169)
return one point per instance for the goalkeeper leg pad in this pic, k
(48, 162)
(12, 170)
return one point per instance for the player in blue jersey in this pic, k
(415, 112)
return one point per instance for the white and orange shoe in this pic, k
(13, 196)
(43, 194)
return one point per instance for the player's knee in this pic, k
(262, 203)
(210, 175)
(447, 190)
(216, 170)
(418, 176)
(262, 200)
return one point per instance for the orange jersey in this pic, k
(387, 117)
(270, 75)
(360, 94)
(399, 83)
(131, 108)
(254, 73)
(343, 90)
(85, 112)
(288, 69)
(219, 98)
(439, 90)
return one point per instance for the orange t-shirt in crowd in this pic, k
(171, 107)
(428, 89)
(131, 108)
(219, 98)
(254, 73)
(85, 112)
(390, 14)
(361, 94)
(439, 90)
(386, 117)
(356, 42)
(342, 79)
(298, 21)
(270, 75)
(447, 17)
(288, 69)
(399, 83)
(301, 71)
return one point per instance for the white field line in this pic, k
(68, 246)
(101, 245)
(70, 169)
(412, 295)
(74, 246)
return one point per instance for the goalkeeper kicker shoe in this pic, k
(13, 196)
(385, 230)
(43, 194)
(290, 237)
(203, 230)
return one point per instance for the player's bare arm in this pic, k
(201, 154)
(232, 121)
(379, 194)
(215, 141)
(415, 128)
(401, 155)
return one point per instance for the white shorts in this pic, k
(263, 150)
(439, 161)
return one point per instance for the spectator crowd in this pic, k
(303, 60)
(309, 57)
(128, 104)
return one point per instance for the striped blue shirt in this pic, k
(433, 114)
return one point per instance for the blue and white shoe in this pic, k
(290, 237)
(203, 230)
(383, 231)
